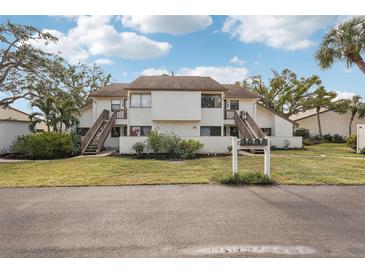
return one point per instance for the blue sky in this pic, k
(228, 48)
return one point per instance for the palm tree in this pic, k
(344, 42)
(67, 112)
(320, 98)
(355, 106)
(46, 106)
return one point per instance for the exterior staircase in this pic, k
(251, 134)
(93, 141)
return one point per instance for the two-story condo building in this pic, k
(190, 106)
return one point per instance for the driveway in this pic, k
(183, 221)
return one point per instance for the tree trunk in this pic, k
(357, 59)
(319, 124)
(48, 128)
(351, 120)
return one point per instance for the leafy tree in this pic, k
(20, 61)
(356, 107)
(320, 98)
(345, 42)
(285, 92)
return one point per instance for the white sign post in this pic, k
(266, 157)
(234, 156)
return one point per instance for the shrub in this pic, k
(155, 141)
(170, 144)
(45, 145)
(327, 138)
(352, 141)
(247, 178)
(229, 149)
(302, 132)
(362, 151)
(188, 148)
(76, 144)
(310, 142)
(139, 148)
(338, 139)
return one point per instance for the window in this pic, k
(210, 131)
(211, 101)
(115, 132)
(267, 131)
(234, 105)
(140, 130)
(115, 105)
(140, 100)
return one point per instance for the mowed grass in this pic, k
(127, 171)
(327, 149)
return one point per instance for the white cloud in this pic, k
(95, 35)
(173, 24)
(103, 61)
(236, 60)
(155, 71)
(224, 75)
(286, 32)
(344, 95)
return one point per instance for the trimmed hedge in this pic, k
(247, 178)
(45, 145)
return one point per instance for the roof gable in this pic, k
(111, 90)
(235, 91)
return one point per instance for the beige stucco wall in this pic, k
(216, 144)
(176, 105)
(246, 104)
(86, 117)
(282, 127)
(331, 122)
(181, 128)
(264, 118)
(278, 125)
(9, 130)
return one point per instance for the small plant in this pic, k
(302, 132)
(170, 145)
(155, 141)
(229, 149)
(188, 148)
(352, 141)
(139, 148)
(247, 178)
(362, 151)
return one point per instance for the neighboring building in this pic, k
(190, 106)
(331, 122)
(13, 123)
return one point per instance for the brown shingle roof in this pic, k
(112, 90)
(234, 91)
(184, 83)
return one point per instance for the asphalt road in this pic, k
(183, 221)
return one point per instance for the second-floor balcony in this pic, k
(122, 113)
(229, 114)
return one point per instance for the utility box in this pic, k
(360, 137)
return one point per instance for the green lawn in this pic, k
(125, 171)
(327, 149)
